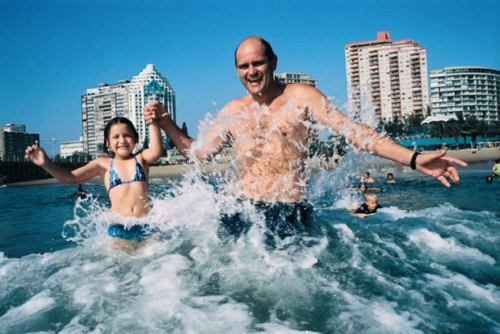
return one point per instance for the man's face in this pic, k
(254, 69)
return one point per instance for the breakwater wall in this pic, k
(12, 172)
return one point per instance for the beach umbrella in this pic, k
(439, 118)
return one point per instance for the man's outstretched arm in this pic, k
(212, 142)
(436, 164)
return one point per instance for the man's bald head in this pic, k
(268, 50)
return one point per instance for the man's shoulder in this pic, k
(236, 106)
(302, 92)
(298, 88)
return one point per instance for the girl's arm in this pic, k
(37, 155)
(155, 149)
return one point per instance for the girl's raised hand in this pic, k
(36, 154)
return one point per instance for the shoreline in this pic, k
(169, 171)
(155, 172)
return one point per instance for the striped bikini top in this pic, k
(114, 179)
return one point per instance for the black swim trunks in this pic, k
(281, 219)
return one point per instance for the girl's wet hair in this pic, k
(119, 120)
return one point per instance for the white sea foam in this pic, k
(375, 316)
(489, 293)
(391, 245)
(37, 304)
(447, 249)
(187, 279)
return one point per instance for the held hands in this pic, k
(153, 112)
(36, 154)
(439, 166)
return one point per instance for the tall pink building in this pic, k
(393, 75)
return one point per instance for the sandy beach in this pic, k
(154, 172)
(467, 155)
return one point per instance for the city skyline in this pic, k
(54, 51)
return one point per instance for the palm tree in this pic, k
(413, 123)
(453, 129)
(470, 127)
(428, 110)
(494, 129)
(185, 129)
(394, 129)
(436, 129)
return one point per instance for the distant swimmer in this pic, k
(489, 179)
(496, 168)
(369, 207)
(125, 176)
(363, 187)
(366, 178)
(390, 178)
(80, 192)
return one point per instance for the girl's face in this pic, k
(121, 140)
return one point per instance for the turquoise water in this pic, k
(428, 262)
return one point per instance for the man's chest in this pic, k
(269, 129)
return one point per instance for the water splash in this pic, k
(425, 270)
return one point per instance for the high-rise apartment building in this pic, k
(14, 140)
(473, 90)
(392, 75)
(291, 77)
(99, 106)
(21, 128)
(147, 87)
(125, 99)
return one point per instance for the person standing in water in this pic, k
(125, 176)
(496, 168)
(80, 192)
(390, 178)
(366, 178)
(270, 131)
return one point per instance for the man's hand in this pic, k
(36, 154)
(154, 111)
(439, 166)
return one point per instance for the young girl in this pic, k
(125, 175)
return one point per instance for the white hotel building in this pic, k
(473, 90)
(70, 147)
(391, 75)
(125, 99)
(292, 77)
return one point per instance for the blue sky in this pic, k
(51, 51)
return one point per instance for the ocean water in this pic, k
(428, 262)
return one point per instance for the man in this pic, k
(271, 127)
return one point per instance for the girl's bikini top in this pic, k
(114, 179)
